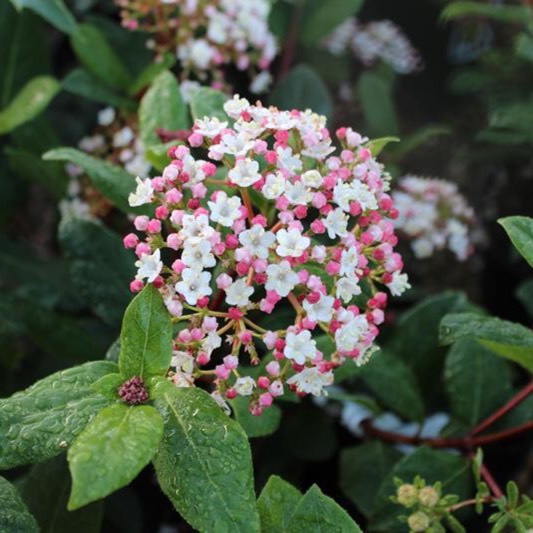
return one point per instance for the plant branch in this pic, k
(291, 42)
(491, 482)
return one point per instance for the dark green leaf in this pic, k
(503, 13)
(204, 464)
(45, 491)
(513, 341)
(321, 18)
(362, 470)
(162, 107)
(111, 451)
(14, 515)
(108, 385)
(100, 267)
(374, 92)
(520, 231)
(82, 83)
(376, 146)
(149, 73)
(276, 504)
(525, 294)
(53, 11)
(477, 381)
(432, 465)
(112, 181)
(97, 56)
(302, 89)
(208, 102)
(256, 426)
(394, 384)
(31, 100)
(41, 421)
(317, 512)
(418, 138)
(146, 336)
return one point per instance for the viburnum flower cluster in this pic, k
(434, 215)
(115, 140)
(375, 41)
(269, 223)
(208, 36)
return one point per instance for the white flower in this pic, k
(291, 243)
(194, 285)
(348, 287)
(195, 229)
(287, 160)
(236, 106)
(261, 82)
(143, 193)
(238, 145)
(349, 261)
(321, 311)
(312, 178)
(123, 137)
(201, 53)
(319, 151)
(274, 186)
(106, 116)
(257, 241)
(336, 223)
(399, 284)
(149, 265)
(188, 89)
(211, 342)
(138, 166)
(209, 126)
(312, 381)
(238, 293)
(245, 173)
(281, 278)
(197, 255)
(299, 347)
(182, 362)
(225, 210)
(348, 336)
(244, 386)
(297, 193)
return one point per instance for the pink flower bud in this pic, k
(263, 382)
(136, 285)
(141, 222)
(130, 241)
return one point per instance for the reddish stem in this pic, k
(511, 404)
(491, 482)
(291, 42)
(172, 135)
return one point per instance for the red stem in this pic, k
(511, 404)
(291, 42)
(172, 135)
(491, 482)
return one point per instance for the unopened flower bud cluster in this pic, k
(208, 36)
(375, 41)
(271, 221)
(115, 140)
(434, 215)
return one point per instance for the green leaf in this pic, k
(404, 397)
(520, 231)
(432, 465)
(302, 89)
(108, 385)
(376, 146)
(321, 18)
(32, 168)
(45, 491)
(513, 341)
(477, 381)
(101, 269)
(524, 47)
(112, 181)
(157, 154)
(41, 421)
(53, 11)
(150, 72)
(318, 512)
(83, 83)
(256, 426)
(14, 515)
(525, 294)
(146, 336)
(418, 138)
(31, 100)
(502, 13)
(374, 91)
(204, 464)
(362, 470)
(208, 102)
(111, 451)
(98, 57)
(162, 107)
(276, 504)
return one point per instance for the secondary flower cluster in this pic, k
(270, 222)
(375, 41)
(207, 36)
(434, 215)
(115, 140)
